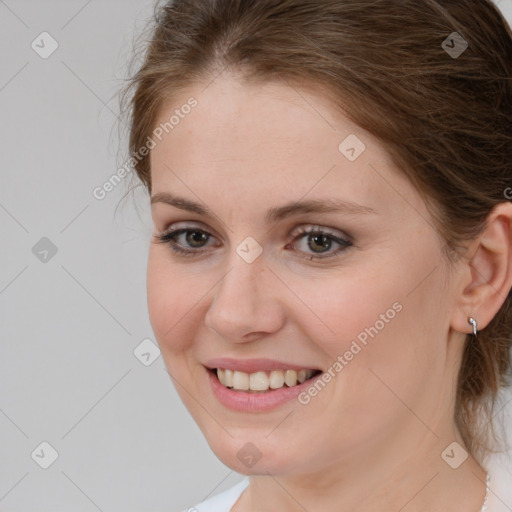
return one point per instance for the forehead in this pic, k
(268, 140)
(247, 120)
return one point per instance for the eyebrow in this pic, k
(274, 214)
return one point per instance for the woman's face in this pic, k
(305, 251)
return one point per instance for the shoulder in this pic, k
(221, 502)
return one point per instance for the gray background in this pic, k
(70, 321)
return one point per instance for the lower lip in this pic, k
(243, 401)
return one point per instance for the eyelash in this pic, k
(169, 238)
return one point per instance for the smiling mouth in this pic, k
(262, 381)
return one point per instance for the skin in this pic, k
(372, 438)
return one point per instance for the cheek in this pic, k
(379, 334)
(173, 299)
(347, 306)
(376, 318)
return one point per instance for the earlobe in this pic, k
(490, 271)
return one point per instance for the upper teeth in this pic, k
(262, 381)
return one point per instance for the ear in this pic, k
(487, 277)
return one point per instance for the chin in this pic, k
(253, 454)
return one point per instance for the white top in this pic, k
(498, 500)
(499, 467)
(223, 501)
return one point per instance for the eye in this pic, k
(313, 241)
(318, 242)
(185, 240)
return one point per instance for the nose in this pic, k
(245, 304)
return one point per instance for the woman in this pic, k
(330, 275)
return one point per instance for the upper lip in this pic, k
(254, 365)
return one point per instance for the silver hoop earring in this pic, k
(472, 321)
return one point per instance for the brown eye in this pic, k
(319, 243)
(186, 241)
(196, 238)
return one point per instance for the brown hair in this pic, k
(444, 118)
